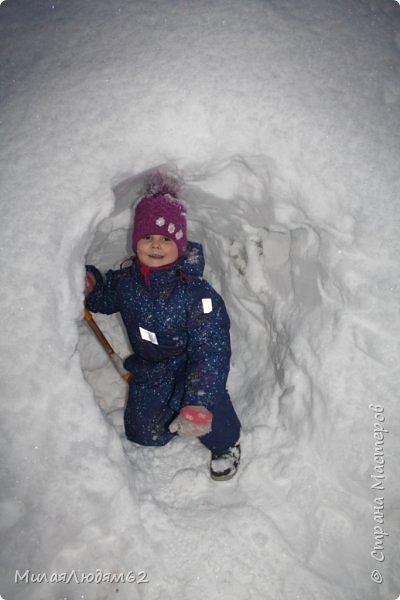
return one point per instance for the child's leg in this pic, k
(225, 431)
(148, 411)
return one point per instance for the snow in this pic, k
(283, 119)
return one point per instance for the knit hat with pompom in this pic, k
(160, 212)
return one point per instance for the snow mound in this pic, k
(283, 120)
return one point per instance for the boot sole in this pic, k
(226, 477)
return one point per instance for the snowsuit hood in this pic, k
(192, 263)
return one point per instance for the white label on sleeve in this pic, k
(149, 336)
(207, 305)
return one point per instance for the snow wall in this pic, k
(283, 119)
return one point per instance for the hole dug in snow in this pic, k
(267, 273)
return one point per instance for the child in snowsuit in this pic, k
(178, 328)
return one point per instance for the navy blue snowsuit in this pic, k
(178, 328)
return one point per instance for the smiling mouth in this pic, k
(155, 255)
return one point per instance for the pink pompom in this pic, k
(160, 183)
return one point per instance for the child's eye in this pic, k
(167, 239)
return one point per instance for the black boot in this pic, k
(225, 463)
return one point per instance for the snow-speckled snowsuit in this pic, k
(178, 328)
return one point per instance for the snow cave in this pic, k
(282, 118)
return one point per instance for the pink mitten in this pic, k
(90, 282)
(192, 420)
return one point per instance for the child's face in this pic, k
(156, 251)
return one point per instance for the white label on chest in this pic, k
(207, 305)
(149, 336)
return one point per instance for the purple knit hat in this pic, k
(159, 212)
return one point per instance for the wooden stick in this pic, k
(115, 359)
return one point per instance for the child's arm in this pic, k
(209, 349)
(102, 295)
